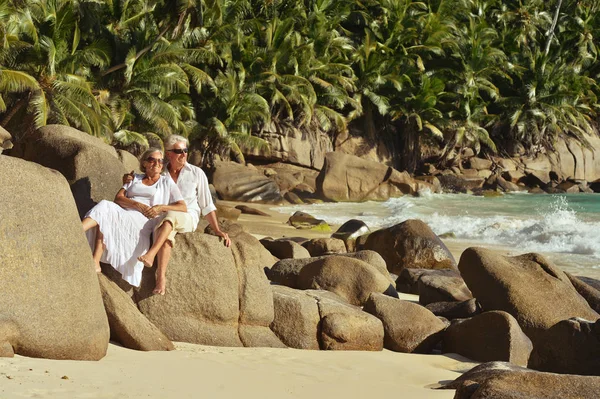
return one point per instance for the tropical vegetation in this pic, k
(451, 73)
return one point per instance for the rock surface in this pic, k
(408, 327)
(323, 246)
(351, 279)
(296, 146)
(410, 244)
(536, 293)
(490, 336)
(297, 318)
(51, 306)
(128, 326)
(347, 327)
(286, 271)
(443, 286)
(215, 295)
(76, 155)
(235, 182)
(497, 380)
(349, 178)
(455, 310)
(251, 211)
(285, 249)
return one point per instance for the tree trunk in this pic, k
(410, 146)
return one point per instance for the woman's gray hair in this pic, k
(174, 139)
(147, 153)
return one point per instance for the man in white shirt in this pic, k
(193, 184)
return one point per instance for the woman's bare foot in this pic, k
(161, 285)
(146, 260)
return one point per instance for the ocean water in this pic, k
(565, 227)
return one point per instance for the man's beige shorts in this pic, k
(182, 223)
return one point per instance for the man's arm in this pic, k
(207, 208)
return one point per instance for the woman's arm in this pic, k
(128, 203)
(179, 206)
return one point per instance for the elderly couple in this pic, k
(163, 204)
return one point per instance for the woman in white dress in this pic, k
(125, 225)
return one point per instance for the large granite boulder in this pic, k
(286, 271)
(285, 249)
(323, 246)
(51, 306)
(92, 167)
(351, 279)
(408, 327)
(5, 140)
(349, 178)
(304, 147)
(410, 244)
(313, 319)
(587, 291)
(438, 287)
(495, 380)
(346, 327)
(494, 335)
(538, 295)
(128, 326)
(235, 182)
(215, 295)
(297, 318)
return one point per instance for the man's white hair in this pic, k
(174, 139)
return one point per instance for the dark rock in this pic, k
(456, 184)
(500, 380)
(408, 280)
(251, 211)
(410, 244)
(292, 198)
(302, 220)
(493, 335)
(408, 327)
(350, 231)
(455, 310)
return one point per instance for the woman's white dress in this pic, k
(127, 231)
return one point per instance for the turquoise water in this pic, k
(565, 227)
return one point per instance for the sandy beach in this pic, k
(212, 372)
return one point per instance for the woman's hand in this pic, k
(156, 210)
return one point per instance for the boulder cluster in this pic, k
(340, 293)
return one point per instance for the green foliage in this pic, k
(464, 72)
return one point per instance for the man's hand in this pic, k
(155, 211)
(225, 237)
(145, 210)
(128, 177)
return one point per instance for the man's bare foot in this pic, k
(146, 260)
(161, 285)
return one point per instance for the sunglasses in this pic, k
(154, 160)
(179, 150)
